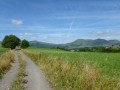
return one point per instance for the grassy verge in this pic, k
(79, 75)
(19, 83)
(5, 62)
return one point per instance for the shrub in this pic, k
(24, 44)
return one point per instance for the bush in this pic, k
(25, 44)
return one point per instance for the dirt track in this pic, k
(35, 78)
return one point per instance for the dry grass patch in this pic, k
(5, 62)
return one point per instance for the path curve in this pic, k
(36, 79)
(6, 81)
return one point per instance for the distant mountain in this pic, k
(77, 43)
(41, 44)
(91, 43)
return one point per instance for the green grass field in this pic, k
(78, 70)
(109, 63)
(2, 50)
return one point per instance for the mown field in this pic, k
(78, 70)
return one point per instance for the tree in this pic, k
(25, 44)
(10, 41)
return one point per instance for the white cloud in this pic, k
(25, 34)
(34, 38)
(28, 34)
(103, 33)
(16, 22)
(106, 34)
(55, 34)
(42, 38)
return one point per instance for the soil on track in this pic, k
(36, 79)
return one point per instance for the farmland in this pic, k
(78, 70)
(109, 62)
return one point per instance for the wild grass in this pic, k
(108, 62)
(80, 75)
(20, 81)
(5, 62)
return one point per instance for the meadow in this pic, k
(78, 70)
(108, 62)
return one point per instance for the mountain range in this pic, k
(77, 43)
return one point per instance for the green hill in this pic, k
(77, 43)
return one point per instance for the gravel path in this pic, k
(36, 79)
(7, 80)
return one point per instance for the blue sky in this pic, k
(60, 21)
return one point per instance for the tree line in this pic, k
(12, 41)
